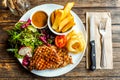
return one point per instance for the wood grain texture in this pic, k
(78, 3)
(81, 3)
(11, 69)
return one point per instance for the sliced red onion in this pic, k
(26, 24)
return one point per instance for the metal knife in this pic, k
(92, 44)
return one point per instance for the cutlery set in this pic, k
(102, 32)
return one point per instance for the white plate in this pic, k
(76, 58)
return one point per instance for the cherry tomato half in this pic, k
(60, 41)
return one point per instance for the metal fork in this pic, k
(102, 31)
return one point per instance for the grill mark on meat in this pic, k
(49, 58)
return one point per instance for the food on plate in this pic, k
(47, 37)
(38, 48)
(25, 51)
(58, 15)
(64, 22)
(46, 57)
(60, 41)
(39, 19)
(26, 24)
(26, 61)
(19, 36)
(68, 26)
(61, 19)
(24, 34)
(75, 42)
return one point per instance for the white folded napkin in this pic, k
(108, 39)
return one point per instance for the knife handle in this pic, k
(92, 55)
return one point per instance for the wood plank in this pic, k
(116, 45)
(3, 36)
(3, 28)
(7, 16)
(10, 69)
(82, 66)
(83, 78)
(99, 73)
(64, 78)
(81, 3)
(78, 3)
(13, 70)
(115, 34)
(115, 38)
(116, 29)
(5, 56)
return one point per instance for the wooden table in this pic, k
(11, 69)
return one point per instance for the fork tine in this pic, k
(103, 21)
(102, 25)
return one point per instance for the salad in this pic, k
(25, 37)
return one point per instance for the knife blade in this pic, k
(92, 44)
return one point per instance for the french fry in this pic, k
(64, 22)
(68, 26)
(67, 8)
(52, 18)
(61, 19)
(58, 14)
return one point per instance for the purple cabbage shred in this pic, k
(26, 24)
(26, 60)
(44, 37)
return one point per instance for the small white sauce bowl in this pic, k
(38, 27)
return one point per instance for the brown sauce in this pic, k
(39, 19)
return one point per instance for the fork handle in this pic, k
(103, 54)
